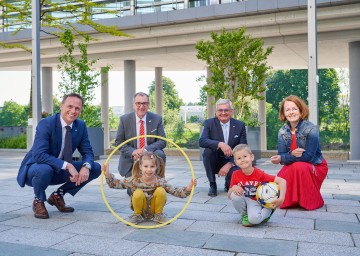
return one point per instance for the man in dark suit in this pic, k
(129, 127)
(44, 165)
(220, 135)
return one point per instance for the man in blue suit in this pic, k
(43, 165)
(220, 135)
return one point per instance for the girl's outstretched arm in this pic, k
(105, 168)
(193, 182)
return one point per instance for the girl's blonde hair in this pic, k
(158, 161)
(241, 147)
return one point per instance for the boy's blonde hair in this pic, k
(241, 147)
(158, 161)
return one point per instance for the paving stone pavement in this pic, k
(208, 226)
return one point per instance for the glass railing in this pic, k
(119, 8)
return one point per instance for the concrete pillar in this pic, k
(158, 91)
(262, 120)
(132, 7)
(186, 4)
(354, 78)
(105, 106)
(129, 84)
(312, 62)
(210, 101)
(47, 90)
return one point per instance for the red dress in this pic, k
(303, 183)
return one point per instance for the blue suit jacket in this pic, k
(47, 145)
(212, 134)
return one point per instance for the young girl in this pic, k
(243, 185)
(149, 188)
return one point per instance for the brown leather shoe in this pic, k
(40, 211)
(59, 202)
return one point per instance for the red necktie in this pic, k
(142, 132)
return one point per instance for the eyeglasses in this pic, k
(138, 104)
(291, 109)
(223, 110)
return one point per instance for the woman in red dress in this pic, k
(299, 151)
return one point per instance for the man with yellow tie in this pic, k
(139, 122)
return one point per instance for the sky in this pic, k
(15, 85)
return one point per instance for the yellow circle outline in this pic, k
(152, 226)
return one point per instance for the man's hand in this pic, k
(225, 148)
(74, 175)
(137, 153)
(83, 175)
(225, 169)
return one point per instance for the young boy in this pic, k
(243, 185)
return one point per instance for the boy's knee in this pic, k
(255, 219)
(236, 198)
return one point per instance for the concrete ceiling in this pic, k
(171, 45)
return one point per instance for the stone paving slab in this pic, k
(338, 226)
(8, 249)
(306, 249)
(252, 245)
(162, 236)
(27, 236)
(162, 249)
(315, 236)
(96, 245)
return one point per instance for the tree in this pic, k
(13, 114)
(238, 67)
(55, 16)
(296, 82)
(78, 75)
(286, 82)
(171, 96)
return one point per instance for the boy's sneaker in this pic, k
(135, 219)
(268, 218)
(160, 218)
(245, 221)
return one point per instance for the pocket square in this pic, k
(236, 136)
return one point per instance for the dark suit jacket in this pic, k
(127, 130)
(47, 145)
(212, 134)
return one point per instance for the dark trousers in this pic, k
(40, 176)
(213, 161)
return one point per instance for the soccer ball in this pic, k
(267, 193)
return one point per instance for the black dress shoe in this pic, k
(212, 191)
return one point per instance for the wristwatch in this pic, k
(87, 165)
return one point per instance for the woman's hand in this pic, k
(275, 159)
(298, 152)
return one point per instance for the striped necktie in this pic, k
(142, 132)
